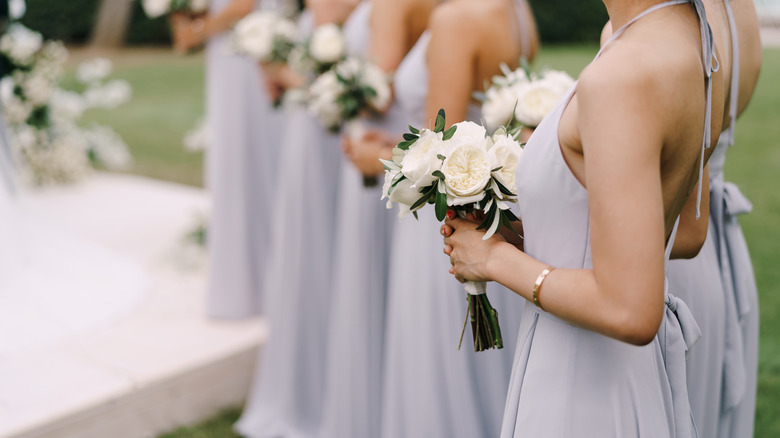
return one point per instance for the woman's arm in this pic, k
(622, 295)
(188, 34)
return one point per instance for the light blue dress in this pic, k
(432, 390)
(241, 165)
(719, 287)
(353, 380)
(568, 381)
(287, 396)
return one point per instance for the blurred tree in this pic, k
(567, 21)
(113, 19)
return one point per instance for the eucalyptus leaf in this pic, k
(414, 130)
(438, 174)
(441, 206)
(449, 133)
(440, 117)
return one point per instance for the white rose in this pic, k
(93, 70)
(21, 44)
(497, 108)
(156, 8)
(403, 194)
(67, 104)
(327, 43)
(16, 9)
(377, 79)
(466, 173)
(253, 35)
(110, 95)
(324, 92)
(535, 101)
(286, 30)
(505, 153)
(7, 86)
(421, 160)
(558, 79)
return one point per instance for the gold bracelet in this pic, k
(538, 285)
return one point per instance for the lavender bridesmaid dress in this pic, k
(568, 381)
(241, 165)
(432, 390)
(287, 397)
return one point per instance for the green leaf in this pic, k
(489, 217)
(426, 195)
(450, 132)
(480, 96)
(414, 130)
(438, 174)
(439, 127)
(441, 206)
(409, 136)
(496, 169)
(404, 145)
(503, 189)
(441, 157)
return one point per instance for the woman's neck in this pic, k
(621, 11)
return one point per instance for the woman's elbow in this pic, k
(638, 327)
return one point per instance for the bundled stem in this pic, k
(484, 323)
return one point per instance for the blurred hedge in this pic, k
(560, 21)
(71, 21)
(566, 21)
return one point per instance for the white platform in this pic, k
(143, 363)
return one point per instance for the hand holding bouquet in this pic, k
(465, 170)
(522, 98)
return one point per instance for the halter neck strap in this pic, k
(709, 62)
(670, 243)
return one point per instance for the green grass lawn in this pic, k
(168, 98)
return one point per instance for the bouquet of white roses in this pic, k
(158, 8)
(265, 36)
(463, 169)
(521, 97)
(353, 86)
(320, 52)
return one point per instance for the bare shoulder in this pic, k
(458, 20)
(646, 72)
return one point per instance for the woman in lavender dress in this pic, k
(602, 182)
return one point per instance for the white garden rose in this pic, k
(327, 43)
(286, 29)
(37, 90)
(93, 70)
(156, 8)
(421, 160)
(323, 94)
(402, 193)
(466, 173)
(559, 80)
(67, 105)
(505, 152)
(253, 35)
(376, 78)
(497, 108)
(16, 9)
(534, 102)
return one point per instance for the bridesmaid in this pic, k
(718, 284)
(430, 388)
(353, 380)
(240, 162)
(602, 351)
(286, 399)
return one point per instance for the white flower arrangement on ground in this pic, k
(158, 8)
(521, 97)
(265, 36)
(463, 169)
(43, 118)
(320, 52)
(351, 88)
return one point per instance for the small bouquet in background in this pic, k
(320, 52)
(265, 36)
(338, 97)
(158, 8)
(463, 169)
(522, 98)
(197, 139)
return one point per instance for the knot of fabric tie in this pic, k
(735, 202)
(679, 311)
